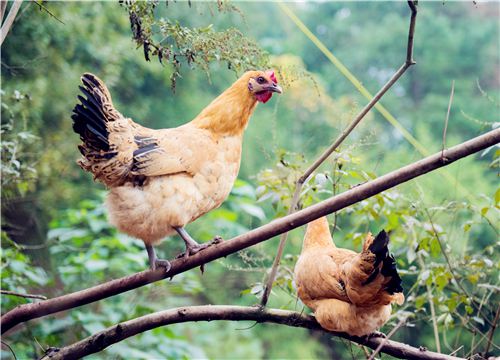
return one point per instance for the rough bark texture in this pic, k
(119, 332)
(27, 312)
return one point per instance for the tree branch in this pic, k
(27, 312)
(304, 178)
(26, 296)
(10, 19)
(124, 330)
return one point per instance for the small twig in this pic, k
(9, 20)
(27, 296)
(492, 331)
(447, 118)
(40, 5)
(8, 346)
(306, 175)
(392, 332)
(472, 328)
(457, 350)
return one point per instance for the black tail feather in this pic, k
(389, 269)
(89, 119)
(379, 247)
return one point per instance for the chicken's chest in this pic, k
(216, 174)
(205, 187)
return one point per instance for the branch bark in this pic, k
(10, 19)
(119, 332)
(26, 312)
(304, 178)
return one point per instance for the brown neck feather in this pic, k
(229, 113)
(318, 234)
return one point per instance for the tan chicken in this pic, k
(161, 180)
(348, 291)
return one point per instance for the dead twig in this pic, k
(27, 296)
(8, 347)
(40, 5)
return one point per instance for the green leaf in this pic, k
(253, 210)
(435, 247)
(420, 301)
(441, 281)
(95, 265)
(473, 278)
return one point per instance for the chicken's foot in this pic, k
(154, 262)
(376, 334)
(192, 247)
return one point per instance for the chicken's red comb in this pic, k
(272, 76)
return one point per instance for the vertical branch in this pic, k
(431, 305)
(305, 177)
(492, 331)
(10, 19)
(447, 116)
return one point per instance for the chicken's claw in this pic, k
(376, 334)
(162, 263)
(216, 240)
(194, 249)
(154, 262)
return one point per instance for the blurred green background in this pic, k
(55, 237)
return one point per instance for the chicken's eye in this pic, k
(261, 80)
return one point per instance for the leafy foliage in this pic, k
(18, 145)
(195, 46)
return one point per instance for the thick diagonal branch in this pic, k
(119, 332)
(303, 179)
(27, 312)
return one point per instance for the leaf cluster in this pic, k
(174, 44)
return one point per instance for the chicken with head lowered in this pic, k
(349, 292)
(161, 180)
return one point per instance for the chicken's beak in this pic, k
(275, 88)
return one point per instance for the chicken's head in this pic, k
(262, 84)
